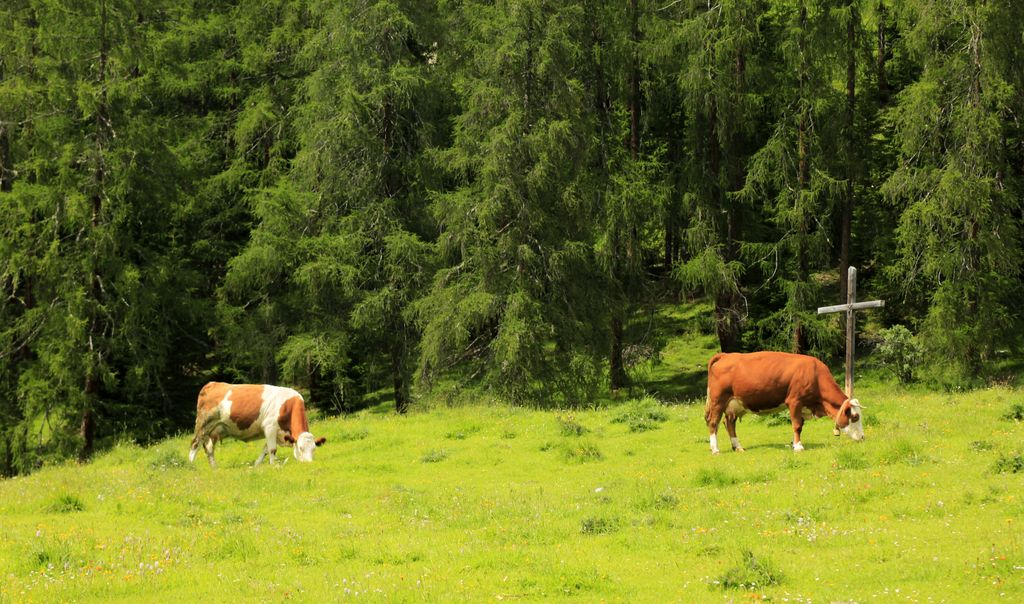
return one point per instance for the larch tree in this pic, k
(517, 305)
(958, 178)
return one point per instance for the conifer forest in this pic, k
(405, 198)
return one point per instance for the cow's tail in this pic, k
(202, 416)
(707, 405)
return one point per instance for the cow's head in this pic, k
(848, 419)
(305, 445)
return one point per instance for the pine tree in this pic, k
(721, 46)
(517, 302)
(958, 177)
(85, 222)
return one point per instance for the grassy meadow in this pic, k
(620, 503)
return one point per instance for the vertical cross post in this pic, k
(849, 308)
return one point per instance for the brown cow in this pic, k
(762, 382)
(249, 412)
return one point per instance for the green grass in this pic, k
(621, 502)
(481, 503)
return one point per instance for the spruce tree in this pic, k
(958, 176)
(517, 305)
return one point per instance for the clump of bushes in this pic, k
(598, 526)
(713, 477)
(583, 453)
(900, 352)
(434, 456)
(1009, 464)
(642, 415)
(568, 426)
(751, 573)
(66, 503)
(1015, 413)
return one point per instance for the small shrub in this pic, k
(568, 426)
(902, 451)
(713, 477)
(779, 418)
(899, 352)
(1015, 413)
(65, 504)
(169, 459)
(666, 500)
(583, 453)
(462, 433)
(1009, 464)
(598, 526)
(434, 456)
(752, 573)
(850, 459)
(642, 415)
(353, 435)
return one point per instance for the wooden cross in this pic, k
(849, 308)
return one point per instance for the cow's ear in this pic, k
(320, 441)
(288, 439)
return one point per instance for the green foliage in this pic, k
(641, 415)
(569, 426)
(752, 573)
(434, 456)
(1009, 464)
(66, 503)
(1015, 413)
(388, 199)
(713, 477)
(899, 352)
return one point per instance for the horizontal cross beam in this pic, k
(848, 307)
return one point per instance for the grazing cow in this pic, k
(249, 412)
(761, 382)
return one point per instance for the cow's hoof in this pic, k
(797, 448)
(714, 451)
(739, 449)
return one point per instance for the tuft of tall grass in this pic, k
(753, 572)
(1009, 464)
(642, 415)
(568, 426)
(66, 503)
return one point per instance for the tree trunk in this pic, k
(87, 430)
(617, 371)
(398, 375)
(851, 139)
(803, 180)
(634, 83)
(6, 162)
(883, 48)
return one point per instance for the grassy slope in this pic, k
(482, 503)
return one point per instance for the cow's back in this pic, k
(762, 380)
(239, 408)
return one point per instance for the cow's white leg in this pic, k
(713, 415)
(730, 425)
(259, 459)
(271, 447)
(209, 445)
(796, 416)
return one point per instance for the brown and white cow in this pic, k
(249, 412)
(762, 382)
